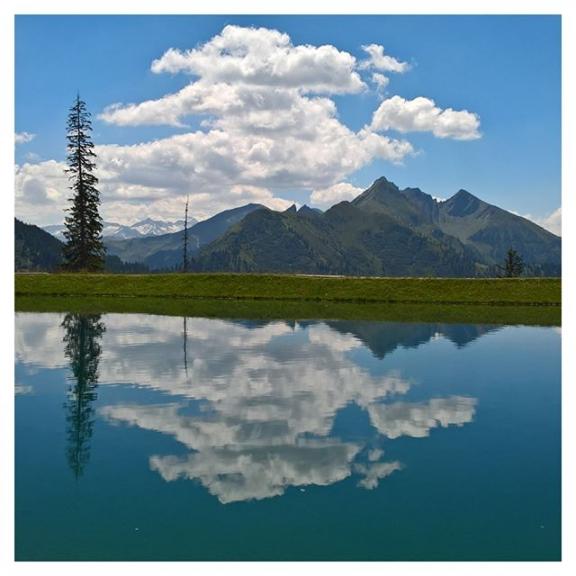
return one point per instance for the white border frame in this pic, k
(7, 12)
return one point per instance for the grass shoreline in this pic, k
(446, 291)
(268, 297)
(271, 310)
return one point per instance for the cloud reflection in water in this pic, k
(255, 403)
(270, 393)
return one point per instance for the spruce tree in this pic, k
(513, 264)
(84, 248)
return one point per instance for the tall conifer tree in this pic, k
(84, 249)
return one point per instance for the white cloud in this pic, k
(32, 157)
(41, 189)
(268, 126)
(263, 129)
(263, 57)
(237, 162)
(136, 182)
(380, 61)
(202, 97)
(332, 195)
(422, 115)
(552, 222)
(380, 80)
(23, 137)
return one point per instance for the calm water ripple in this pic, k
(149, 437)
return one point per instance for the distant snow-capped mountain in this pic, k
(113, 230)
(56, 230)
(150, 227)
(147, 227)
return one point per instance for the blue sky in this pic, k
(503, 71)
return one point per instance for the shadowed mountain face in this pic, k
(410, 207)
(165, 250)
(383, 232)
(492, 231)
(486, 229)
(344, 240)
(37, 250)
(34, 248)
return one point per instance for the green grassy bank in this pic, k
(292, 310)
(500, 301)
(520, 291)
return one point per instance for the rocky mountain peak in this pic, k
(463, 204)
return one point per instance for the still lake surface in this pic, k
(143, 437)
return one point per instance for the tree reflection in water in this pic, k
(83, 350)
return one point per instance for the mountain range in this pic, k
(165, 251)
(142, 229)
(384, 231)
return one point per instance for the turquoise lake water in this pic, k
(143, 437)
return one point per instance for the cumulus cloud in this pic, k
(244, 158)
(23, 137)
(422, 115)
(380, 61)
(263, 57)
(552, 222)
(135, 182)
(380, 80)
(268, 126)
(41, 188)
(334, 194)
